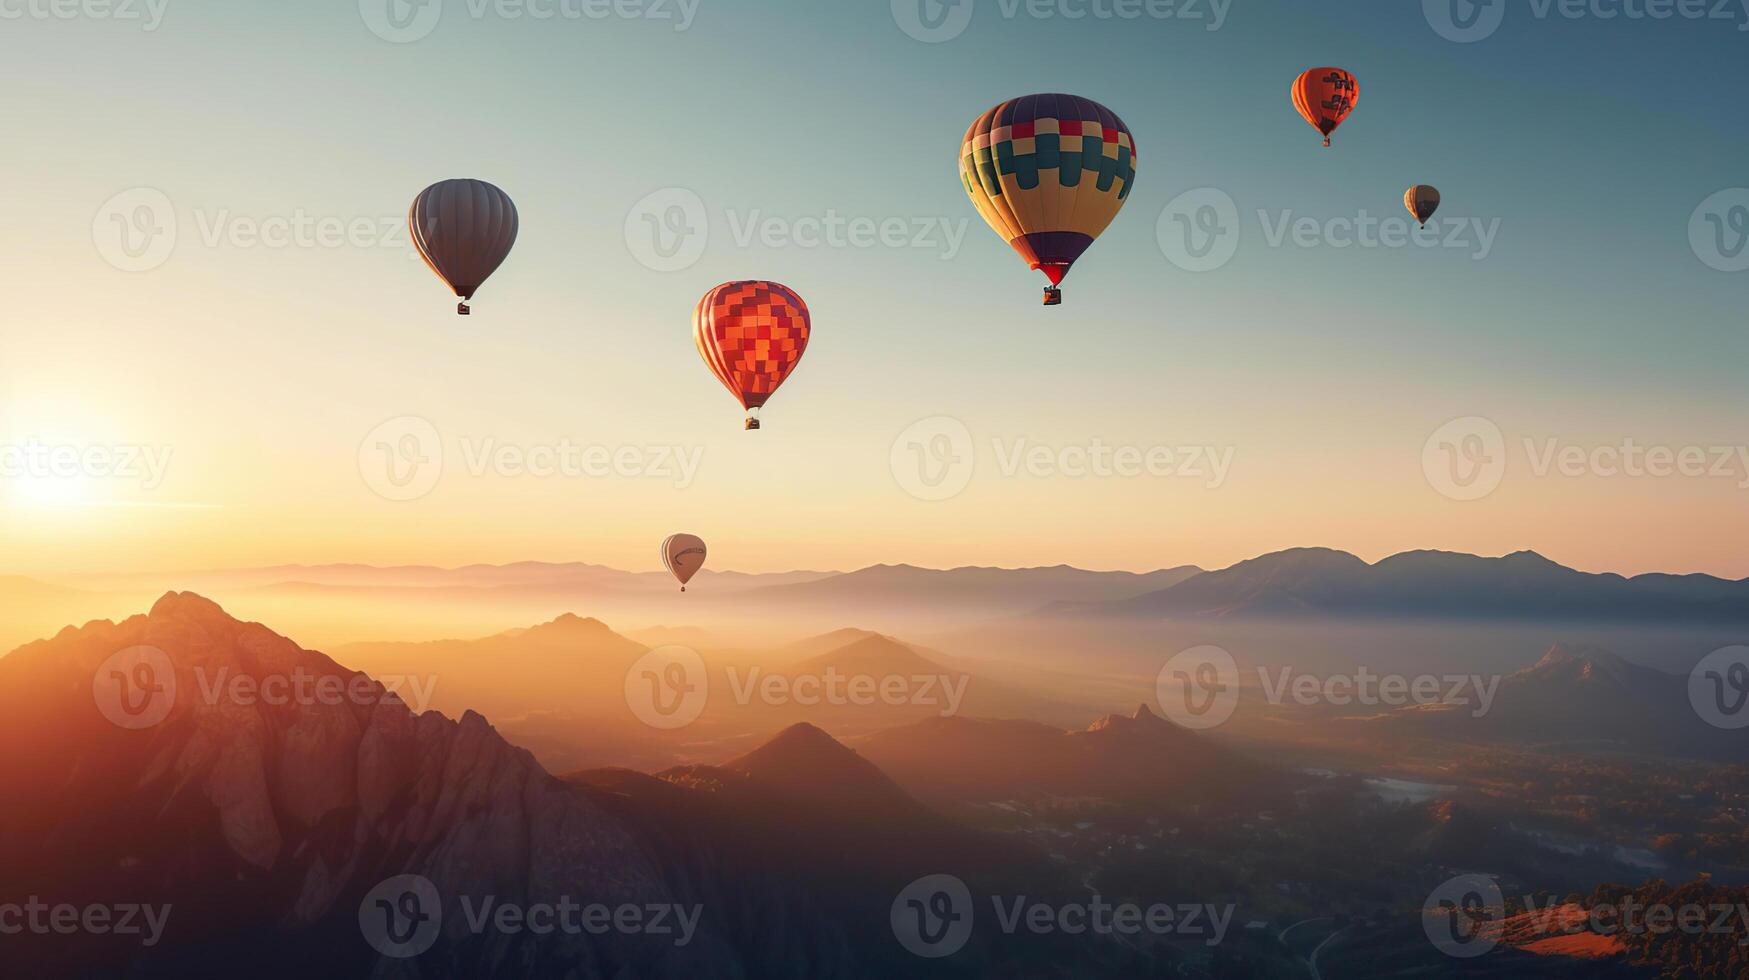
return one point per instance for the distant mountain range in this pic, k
(1322, 583)
(1578, 698)
(1139, 757)
(267, 820)
(342, 603)
(1018, 588)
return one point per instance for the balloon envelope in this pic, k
(464, 229)
(751, 334)
(1048, 173)
(1325, 97)
(683, 555)
(1421, 200)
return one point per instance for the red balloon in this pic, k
(1325, 97)
(751, 335)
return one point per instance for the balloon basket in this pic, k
(1053, 296)
(1326, 141)
(462, 309)
(752, 425)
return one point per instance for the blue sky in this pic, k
(1585, 143)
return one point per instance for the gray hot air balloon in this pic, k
(683, 556)
(464, 229)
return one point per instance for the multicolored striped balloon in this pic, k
(1325, 97)
(1048, 173)
(751, 334)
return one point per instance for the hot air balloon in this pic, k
(683, 556)
(464, 230)
(1048, 173)
(1422, 200)
(751, 335)
(1325, 97)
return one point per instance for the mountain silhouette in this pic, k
(266, 824)
(264, 819)
(1138, 756)
(1579, 697)
(803, 821)
(1524, 585)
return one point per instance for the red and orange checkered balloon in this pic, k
(751, 335)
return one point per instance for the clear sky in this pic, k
(1585, 144)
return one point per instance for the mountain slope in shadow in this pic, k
(1133, 757)
(263, 819)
